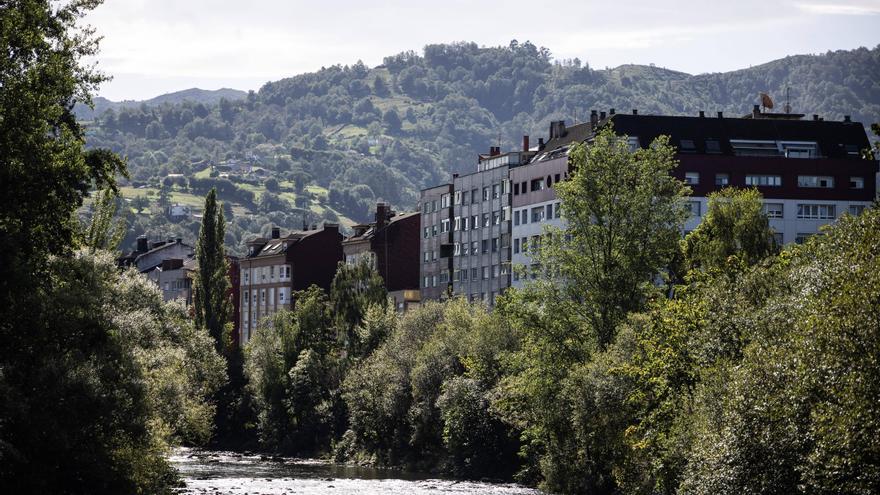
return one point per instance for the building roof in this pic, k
(368, 231)
(559, 145)
(272, 247)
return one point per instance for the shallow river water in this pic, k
(226, 473)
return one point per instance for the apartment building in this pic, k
(436, 250)
(810, 171)
(149, 255)
(275, 268)
(391, 244)
(481, 226)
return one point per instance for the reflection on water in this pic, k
(225, 473)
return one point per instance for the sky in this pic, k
(152, 47)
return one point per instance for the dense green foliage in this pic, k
(98, 377)
(357, 134)
(211, 299)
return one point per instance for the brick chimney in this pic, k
(276, 232)
(382, 214)
(525, 143)
(540, 144)
(594, 118)
(142, 244)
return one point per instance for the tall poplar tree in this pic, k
(211, 286)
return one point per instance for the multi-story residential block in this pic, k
(481, 224)
(275, 268)
(810, 172)
(149, 255)
(174, 279)
(391, 245)
(436, 252)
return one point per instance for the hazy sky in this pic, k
(152, 47)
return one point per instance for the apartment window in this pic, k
(485, 271)
(433, 230)
(465, 224)
(818, 181)
(486, 220)
(444, 225)
(856, 210)
(464, 197)
(244, 274)
(254, 298)
(485, 246)
(816, 212)
(287, 271)
(692, 178)
(246, 298)
(427, 256)
(694, 208)
(475, 247)
(426, 282)
(524, 216)
(800, 150)
(434, 255)
(537, 184)
(516, 217)
(464, 249)
(475, 222)
(754, 148)
(426, 208)
(475, 195)
(263, 273)
(486, 193)
(774, 210)
(556, 179)
(496, 218)
(515, 275)
(524, 244)
(549, 181)
(549, 214)
(496, 191)
(462, 275)
(457, 249)
(557, 209)
(722, 179)
(474, 274)
(457, 197)
(444, 278)
(434, 205)
(687, 146)
(802, 237)
(444, 201)
(494, 244)
(516, 246)
(516, 189)
(496, 271)
(856, 182)
(713, 146)
(427, 232)
(272, 272)
(263, 296)
(537, 214)
(522, 187)
(433, 280)
(764, 180)
(457, 224)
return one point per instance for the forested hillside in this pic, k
(339, 139)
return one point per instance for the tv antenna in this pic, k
(787, 99)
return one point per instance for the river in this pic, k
(226, 473)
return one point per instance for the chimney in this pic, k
(525, 143)
(720, 115)
(540, 144)
(276, 232)
(756, 111)
(702, 114)
(601, 115)
(382, 214)
(635, 111)
(594, 118)
(142, 245)
(816, 117)
(846, 118)
(611, 111)
(454, 176)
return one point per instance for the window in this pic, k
(444, 278)
(516, 189)
(856, 210)
(444, 201)
(457, 251)
(522, 187)
(427, 232)
(433, 255)
(549, 181)
(427, 256)
(516, 246)
(557, 209)
(556, 179)
(816, 212)
(856, 182)
(754, 148)
(713, 146)
(444, 225)
(474, 274)
(774, 210)
(496, 218)
(487, 220)
(764, 180)
(245, 274)
(457, 197)
(475, 195)
(537, 184)
(426, 208)
(819, 181)
(802, 237)
(524, 216)
(485, 246)
(263, 296)
(494, 244)
(687, 146)
(516, 217)
(465, 248)
(549, 214)
(457, 224)
(722, 179)
(475, 247)
(434, 205)
(475, 223)
(464, 197)
(537, 214)
(263, 274)
(800, 150)
(692, 178)
(433, 230)
(496, 191)
(433, 280)
(465, 223)
(694, 208)
(496, 270)
(486, 193)
(246, 298)
(426, 282)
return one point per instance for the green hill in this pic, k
(365, 134)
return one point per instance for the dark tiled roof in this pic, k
(370, 231)
(273, 247)
(559, 145)
(831, 136)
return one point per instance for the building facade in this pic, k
(275, 268)
(436, 249)
(391, 246)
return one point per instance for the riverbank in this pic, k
(230, 473)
